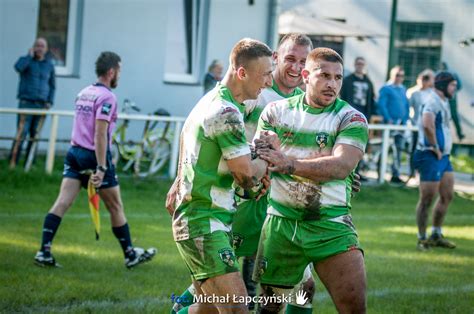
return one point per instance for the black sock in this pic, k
(50, 226)
(122, 234)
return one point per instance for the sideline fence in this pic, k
(178, 124)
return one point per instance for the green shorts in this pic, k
(287, 246)
(209, 255)
(247, 226)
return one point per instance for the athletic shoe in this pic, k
(141, 256)
(441, 241)
(396, 180)
(45, 261)
(423, 245)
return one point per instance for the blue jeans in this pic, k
(30, 126)
(399, 141)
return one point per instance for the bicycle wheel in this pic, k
(152, 158)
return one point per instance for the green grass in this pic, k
(94, 280)
(463, 163)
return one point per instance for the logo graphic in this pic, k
(322, 139)
(227, 256)
(301, 298)
(237, 240)
(106, 109)
(357, 118)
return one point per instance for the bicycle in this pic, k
(151, 153)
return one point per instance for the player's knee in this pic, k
(309, 287)
(274, 305)
(446, 197)
(353, 302)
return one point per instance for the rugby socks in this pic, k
(50, 226)
(293, 309)
(436, 231)
(422, 236)
(122, 234)
(247, 271)
(184, 300)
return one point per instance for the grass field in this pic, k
(94, 280)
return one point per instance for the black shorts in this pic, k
(78, 160)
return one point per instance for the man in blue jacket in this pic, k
(394, 107)
(35, 91)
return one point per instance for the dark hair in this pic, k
(297, 38)
(246, 50)
(326, 54)
(106, 61)
(442, 80)
(359, 58)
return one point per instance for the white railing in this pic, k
(178, 122)
(55, 114)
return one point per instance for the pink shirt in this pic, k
(95, 102)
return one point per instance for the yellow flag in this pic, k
(94, 201)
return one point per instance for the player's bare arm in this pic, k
(246, 172)
(100, 140)
(338, 166)
(430, 132)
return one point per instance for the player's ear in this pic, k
(241, 73)
(275, 57)
(305, 75)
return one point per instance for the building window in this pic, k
(334, 42)
(187, 27)
(58, 23)
(417, 47)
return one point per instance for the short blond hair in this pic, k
(246, 50)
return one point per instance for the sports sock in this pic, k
(185, 299)
(436, 230)
(422, 236)
(50, 226)
(247, 271)
(123, 236)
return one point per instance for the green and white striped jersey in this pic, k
(254, 108)
(213, 133)
(306, 133)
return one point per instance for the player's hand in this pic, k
(96, 178)
(171, 198)
(266, 185)
(356, 184)
(31, 52)
(271, 139)
(279, 161)
(438, 153)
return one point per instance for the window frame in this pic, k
(198, 49)
(73, 35)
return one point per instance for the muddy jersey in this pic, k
(306, 133)
(254, 108)
(95, 102)
(213, 133)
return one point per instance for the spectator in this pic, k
(213, 75)
(358, 90)
(35, 91)
(394, 107)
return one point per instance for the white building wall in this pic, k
(136, 30)
(457, 17)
